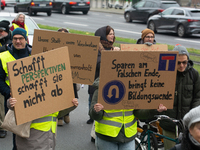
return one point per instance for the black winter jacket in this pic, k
(187, 96)
(185, 144)
(102, 33)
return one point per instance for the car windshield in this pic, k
(167, 5)
(31, 26)
(195, 13)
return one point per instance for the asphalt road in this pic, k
(94, 20)
(72, 136)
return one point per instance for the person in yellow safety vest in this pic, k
(115, 129)
(19, 22)
(43, 129)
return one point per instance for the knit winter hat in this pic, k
(192, 116)
(19, 31)
(146, 31)
(4, 25)
(181, 49)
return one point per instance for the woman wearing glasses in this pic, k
(19, 22)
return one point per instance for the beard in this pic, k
(2, 36)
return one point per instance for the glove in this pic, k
(148, 43)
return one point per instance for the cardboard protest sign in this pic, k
(83, 51)
(138, 80)
(143, 47)
(42, 84)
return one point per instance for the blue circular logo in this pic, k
(113, 92)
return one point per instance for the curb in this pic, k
(109, 10)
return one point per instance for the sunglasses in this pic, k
(182, 62)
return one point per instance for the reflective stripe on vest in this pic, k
(16, 26)
(114, 120)
(45, 119)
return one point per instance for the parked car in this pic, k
(28, 21)
(33, 6)
(180, 20)
(65, 6)
(146, 8)
(3, 4)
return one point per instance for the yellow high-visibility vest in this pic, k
(16, 26)
(113, 121)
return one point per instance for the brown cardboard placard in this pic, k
(83, 51)
(42, 84)
(143, 47)
(137, 80)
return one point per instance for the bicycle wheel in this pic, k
(153, 141)
(138, 146)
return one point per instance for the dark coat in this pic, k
(187, 96)
(102, 33)
(185, 144)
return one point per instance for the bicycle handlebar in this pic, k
(160, 117)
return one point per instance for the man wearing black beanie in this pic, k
(5, 39)
(5, 35)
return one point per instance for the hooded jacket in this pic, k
(187, 96)
(103, 45)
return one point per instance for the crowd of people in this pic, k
(114, 129)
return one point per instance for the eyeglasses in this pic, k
(148, 37)
(182, 62)
(21, 38)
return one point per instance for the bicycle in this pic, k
(148, 140)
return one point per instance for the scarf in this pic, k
(107, 45)
(195, 142)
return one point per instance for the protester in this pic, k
(3, 132)
(191, 137)
(107, 39)
(42, 132)
(5, 39)
(5, 35)
(147, 37)
(187, 94)
(116, 129)
(66, 117)
(19, 22)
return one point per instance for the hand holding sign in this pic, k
(98, 107)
